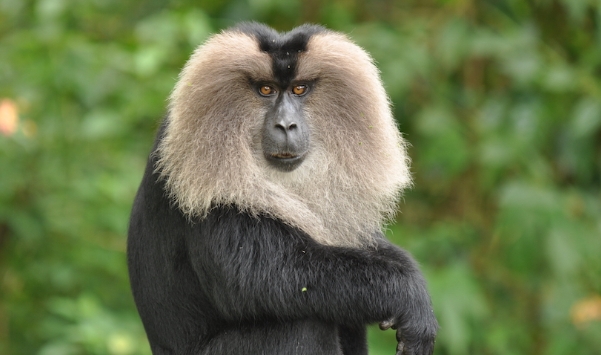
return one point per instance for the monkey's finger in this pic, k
(387, 324)
(399, 338)
(399, 348)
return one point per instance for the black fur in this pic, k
(282, 47)
(235, 284)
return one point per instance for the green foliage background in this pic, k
(500, 99)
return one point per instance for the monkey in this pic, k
(258, 225)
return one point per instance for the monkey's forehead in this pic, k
(282, 48)
(260, 54)
(287, 54)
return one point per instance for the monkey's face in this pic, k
(285, 133)
(296, 125)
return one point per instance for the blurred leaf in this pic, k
(161, 28)
(59, 348)
(445, 152)
(197, 26)
(559, 78)
(101, 123)
(562, 253)
(453, 43)
(521, 196)
(586, 117)
(458, 302)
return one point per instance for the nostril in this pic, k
(280, 126)
(286, 127)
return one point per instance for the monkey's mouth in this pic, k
(285, 161)
(285, 155)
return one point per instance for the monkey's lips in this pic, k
(285, 160)
(285, 155)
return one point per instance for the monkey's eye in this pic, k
(299, 90)
(266, 90)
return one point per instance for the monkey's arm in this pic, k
(260, 268)
(404, 335)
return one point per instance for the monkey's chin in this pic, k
(285, 162)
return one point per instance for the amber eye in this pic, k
(266, 90)
(299, 89)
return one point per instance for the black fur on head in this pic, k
(283, 48)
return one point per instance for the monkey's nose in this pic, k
(286, 126)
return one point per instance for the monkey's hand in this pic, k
(413, 340)
(410, 309)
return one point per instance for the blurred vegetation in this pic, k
(500, 99)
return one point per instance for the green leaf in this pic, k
(586, 117)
